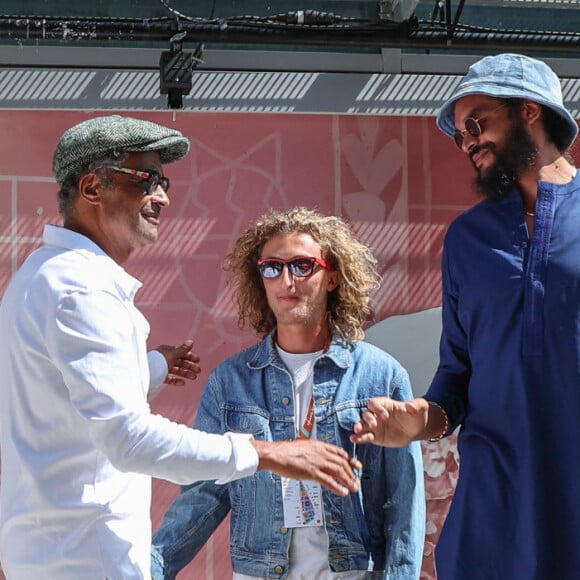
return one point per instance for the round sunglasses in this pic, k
(473, 127)
(151, 179)
(301, 266)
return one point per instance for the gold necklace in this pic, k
(533, 213)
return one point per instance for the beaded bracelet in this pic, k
(445, 428)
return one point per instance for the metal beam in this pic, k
(407, 35)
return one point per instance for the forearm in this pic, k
(190, 521)
(155, 446)
(157, 372)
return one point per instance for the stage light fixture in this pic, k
(176, 71)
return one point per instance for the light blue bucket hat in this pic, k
(509, 76)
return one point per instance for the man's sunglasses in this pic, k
(472, 127)
(301, 267)
(151, 179)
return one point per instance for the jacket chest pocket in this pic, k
(348, 417)
(245, 421)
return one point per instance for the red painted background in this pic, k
(397, 179)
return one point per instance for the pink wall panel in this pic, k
(397, 179)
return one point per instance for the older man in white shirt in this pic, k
(79, 443)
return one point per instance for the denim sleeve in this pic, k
(190, 521)
(405, 509)
(196, 512)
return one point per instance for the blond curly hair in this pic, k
(348, 304)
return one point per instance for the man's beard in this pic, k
(517, 154)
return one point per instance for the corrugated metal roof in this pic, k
(298, 92)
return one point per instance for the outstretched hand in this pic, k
(182, 362)
(392, 423)
(311, 460)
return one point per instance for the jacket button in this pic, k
(279, 569)
(284, 529)
(286, 400)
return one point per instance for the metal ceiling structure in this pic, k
(311, 28)
(549, 26)
(383, 57)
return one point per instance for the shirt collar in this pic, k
(266, 354)
(61, 237)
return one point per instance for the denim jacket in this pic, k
(382, 527)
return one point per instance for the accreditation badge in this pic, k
(302, 503)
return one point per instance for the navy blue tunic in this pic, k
(510, 376)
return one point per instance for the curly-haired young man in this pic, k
(304, 283)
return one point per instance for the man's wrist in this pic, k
(269, 457)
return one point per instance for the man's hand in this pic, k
(310, 460)
(392, 423)
(182, 362)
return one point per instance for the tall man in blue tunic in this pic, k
(509, 371)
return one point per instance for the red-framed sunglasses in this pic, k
(301, 266)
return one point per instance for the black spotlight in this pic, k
(176, 72)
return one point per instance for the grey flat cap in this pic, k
(101, 136)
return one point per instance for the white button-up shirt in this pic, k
(78, 441)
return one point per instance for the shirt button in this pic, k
(286, 400)
(284, 529)
(278, 569)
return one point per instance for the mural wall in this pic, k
(397, 179)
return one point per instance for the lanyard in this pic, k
(306, 429)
